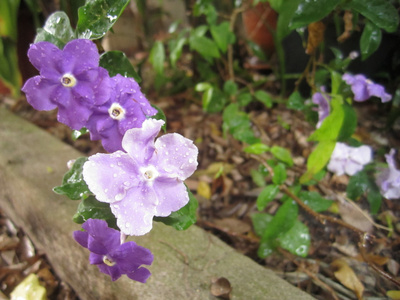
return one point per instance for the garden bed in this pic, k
(185, 263)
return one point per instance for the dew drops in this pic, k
(112, 165)
(115, 175)
(106, 190)
(190, 161)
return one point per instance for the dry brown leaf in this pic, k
(347, 277)
(204, 190)
(348, 26)
(221, 287)
(316, 32)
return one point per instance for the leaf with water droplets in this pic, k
(116, 62)
(57, 30)
(90, 208)
(73, 185)
(96, 17)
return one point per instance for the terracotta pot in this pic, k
(258, 22)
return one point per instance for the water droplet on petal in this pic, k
(190, 161)
(115, 175)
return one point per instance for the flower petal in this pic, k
(45, 55)
(39, 93)
(139, 142)
(80, 54)
(172, 196)
(130, 256)
(99, 230)
(113, 271)
(106, 175)
(136, 211)
(81, 237)
(176, 156)
(141, 275)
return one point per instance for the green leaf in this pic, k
(8, 18)
(297, 240)
(374, 199)
(96, 17)
(175, 49)
(286, 12)
(157, 57)
(318, 159)
(310, 11)
(332, 125)
(364, 183)
(380, 12)
(257, 177)
(230, 87)
(295, 101)
(283, 220)
(267, 195)
(370, 40)
(204, 46)
(257, 148)
(282, 154)
(279, 174)
(160, 116)
(207, 9)
(315, 201)
(116, 62)
(244, 98)
(264, 98)
(358, 185)
(349, 123)
(91, 208)
(222, 35)
(9, 70)
(76, 134)
(238, 123)
(260, 222)
(183, 218)
(73, 185)
(56, 30)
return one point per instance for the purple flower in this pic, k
(127, 108)
(69, 79)
(389, 179)
(112, 257)
(324, 107)
(146, 181)
(349, 160)
(364, 88)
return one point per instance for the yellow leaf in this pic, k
(394, 295)
(204, 190)
(29, 289)
(347, 277)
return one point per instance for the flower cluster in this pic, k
(364, 88)
(389, 179)
(349, 160)
(140, 178)
(85, 95)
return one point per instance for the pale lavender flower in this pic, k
(389, 179)
(69, 79)
(349, 160)
(127, 108)
(364, 88)
(324, 107)
(146, 181)
(110, 256)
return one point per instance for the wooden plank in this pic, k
(32, 162)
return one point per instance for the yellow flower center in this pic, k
(68, 80)
(116, 111)
(108, 261)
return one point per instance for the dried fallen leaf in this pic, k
(221, 287)
(394, 295)
(29, 289)
(315, 36)
(347, 277)
(204, 190)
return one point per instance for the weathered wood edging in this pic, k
(32, 162)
